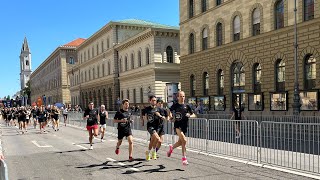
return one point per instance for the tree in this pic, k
(8, 97)
(26, 91)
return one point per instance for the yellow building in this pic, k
(49, 81)
(125, 59)
(242, 51)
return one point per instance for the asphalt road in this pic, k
(65, 155)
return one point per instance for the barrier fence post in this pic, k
(259, 142)
(207, 135)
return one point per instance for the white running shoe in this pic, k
(91, 147)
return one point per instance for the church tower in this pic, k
(25, 64)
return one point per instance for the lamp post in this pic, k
(296, 97)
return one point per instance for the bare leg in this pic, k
(130, 141)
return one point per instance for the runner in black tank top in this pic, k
(102, 117)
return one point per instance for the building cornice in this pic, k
(49, 59)
(150, 32)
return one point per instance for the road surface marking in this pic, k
(134, 169)
(110, 159)
(35, 143)
(82, 147)
(112, 140)
(121, 164)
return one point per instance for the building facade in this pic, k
(242, 52)
(125, 59)
(49, 81)
(25, 64)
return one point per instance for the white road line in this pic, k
(110, 159)
(134, 169)
(82, 147)
(121, 164)
(112, 140)
(35, 143)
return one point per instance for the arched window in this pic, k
(139, 59)
(203, 5)
(27, 63)
(141, 95)
(97, 49)
(204, 39)
(109, 68)
(81, 77)
(120, 65)
(191, 43)
(89, 74)
(92, 51)
(310, 71)
(128, 94)
(102, 45)
(134, 96)
(126, 63)
(85, 76)
(103, 70)
(257, 78)
(219, 34)
(280, 75)
(85, 56)
(169, 52)
(147, 56)
(108, 43)
(308, 10)
(218, 2)
(71, 60)
(192, 85)
(279, 14)
(205, 80)
(98, 73)
(239, 77)
(88, 54)
(256, 22)
(236, 28)
(132, 61)
(93, 74)
(191, 6)
(220, 82)
(122, 94)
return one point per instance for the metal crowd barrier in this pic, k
(3, 171)
(285, 144)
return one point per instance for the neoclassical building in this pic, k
(49, 81)
(242, 51)
(125, 59)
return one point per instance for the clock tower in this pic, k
(25, 64)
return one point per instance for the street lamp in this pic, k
(296, 97)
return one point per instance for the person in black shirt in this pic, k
(238, 116)
(164, 113)
(42, 115)
(123, 118)
(181, 114)
(91, 115)
(102, 116)
(152, 115)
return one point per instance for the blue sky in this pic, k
(48, 24)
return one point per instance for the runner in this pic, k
(42, 117)
(102, 116)
(27, 118)
(152, 116)
(180, 113)
(91, 116)
(55, 111)
(65, 115)
(34, 116)
(122, 117)
(22, 119)
(164, 113)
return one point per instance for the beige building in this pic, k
(125, 59)
(243, 51)
(49, 81)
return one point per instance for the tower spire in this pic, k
(25, 46)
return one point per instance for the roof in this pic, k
(76, 42)
(146, 23)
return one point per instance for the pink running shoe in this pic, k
(184, 161)
(170, 151)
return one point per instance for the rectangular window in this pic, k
(219, 103)
(255, 102)
(279, 101)
(309, 101)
